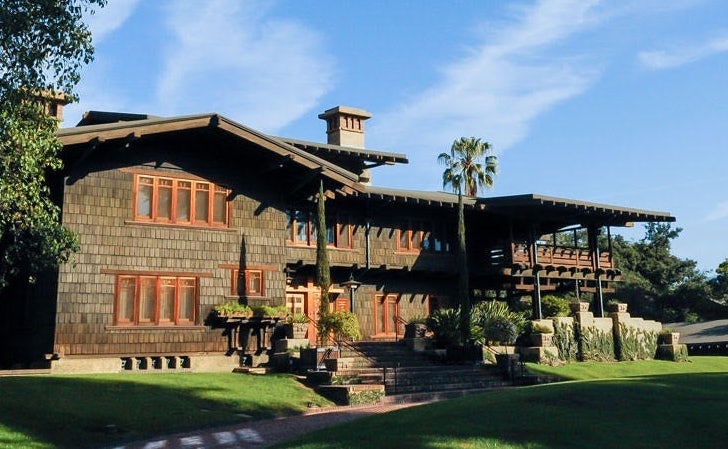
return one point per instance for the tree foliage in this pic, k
(323, 271)
(43, 45)
(660, 285)
(719, 283)
(465, 170)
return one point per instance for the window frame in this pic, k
(247, 276)
(154, 319)
(335, 227)
(421, 236)
(157, 187)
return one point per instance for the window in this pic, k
(416, 236)
(250, 282)
(301, 230)
(180, 201)
(155, 300)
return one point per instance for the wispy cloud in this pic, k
(719, 212)
(108, 19)
(509, 78)
(684, 54)
(236, 59)
(94, 90)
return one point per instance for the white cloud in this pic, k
(108, 19)
(506, 81)
(233, 58)
(683, 54)
(719, 212)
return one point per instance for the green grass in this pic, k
(637, 405)
(94, 410)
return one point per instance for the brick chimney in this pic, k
(53, 103)
(345, 126)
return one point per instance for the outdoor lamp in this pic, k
(352, 285)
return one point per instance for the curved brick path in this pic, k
(260, 434)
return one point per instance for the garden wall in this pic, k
(584, 337)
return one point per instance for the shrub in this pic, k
(270, 311)
(445, 327)
(500, 330)
(488, 323)
(299, 318)
(417, 319)
(342, 323)
(232, 308)
(553, 306)
(565, 341)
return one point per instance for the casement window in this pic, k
(414, 236)
(161, 199)
(301, 230)
(250, 282)
(156, 300)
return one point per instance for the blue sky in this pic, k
(617, 102)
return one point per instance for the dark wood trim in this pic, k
(155, 273)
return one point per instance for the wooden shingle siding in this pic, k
(99, 208)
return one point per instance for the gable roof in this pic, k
(136, 129)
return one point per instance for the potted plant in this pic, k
(416, 327)
(232, 309)
(299, 323)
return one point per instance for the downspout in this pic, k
(368, 252)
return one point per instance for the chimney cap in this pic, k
(345, 110)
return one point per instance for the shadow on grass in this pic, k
(85, 411)
(671, 411)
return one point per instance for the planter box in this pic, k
(618, 308)
(670, 338)
(579, 307)
(299, 330)
(542, 340)
(416, 330)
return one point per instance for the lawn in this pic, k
(94, 410)
(636, 405)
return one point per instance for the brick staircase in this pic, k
(411, 376)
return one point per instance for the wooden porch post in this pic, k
(594, 250)
(536, 303)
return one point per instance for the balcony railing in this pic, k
(550, 256)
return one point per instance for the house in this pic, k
(176, 215)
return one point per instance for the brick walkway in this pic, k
(263, 433)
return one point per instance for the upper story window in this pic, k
(416, 236)
(162, 199)
(249, 282)
(301, 230)
(155, 300)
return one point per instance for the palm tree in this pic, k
(464, 170)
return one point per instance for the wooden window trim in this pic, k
(247, 277)
(429, 231)
(156, 321)
(310, 241)
(196, 186)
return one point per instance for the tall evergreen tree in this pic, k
(469, 166)
(323, 271)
